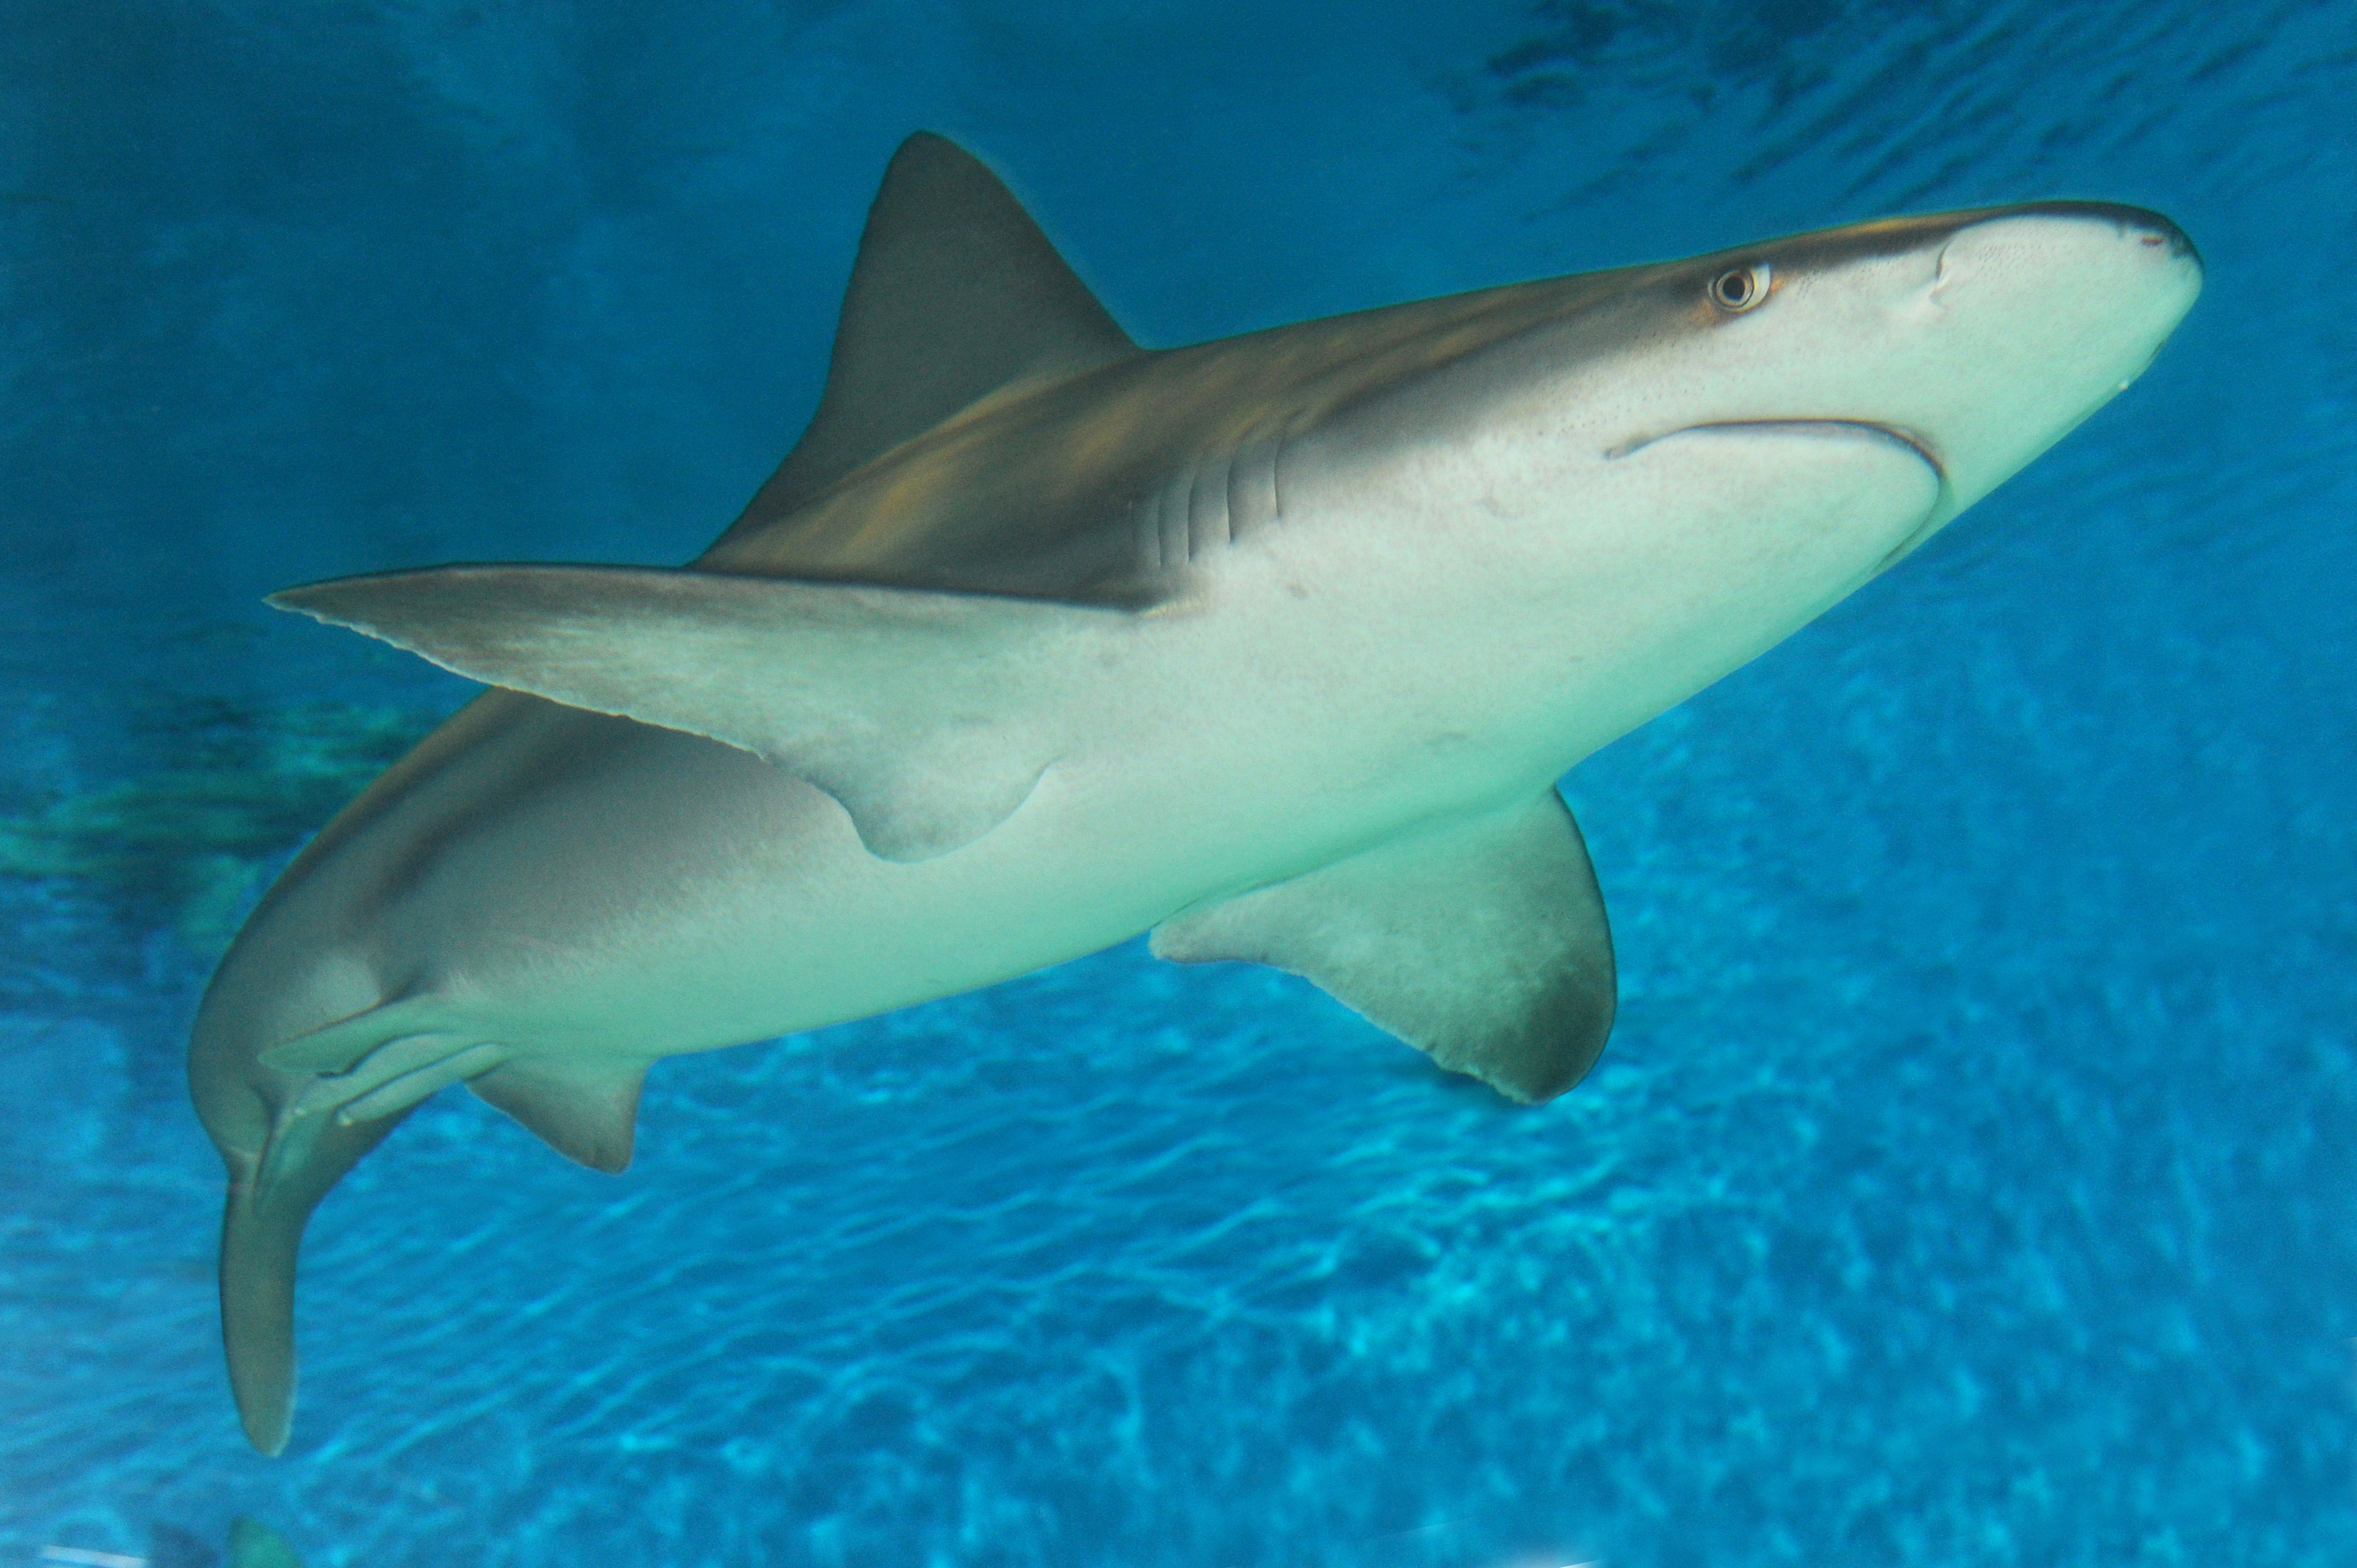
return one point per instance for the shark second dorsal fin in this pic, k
(956, 294)
(1483, 944)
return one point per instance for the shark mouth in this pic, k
(1892, 433)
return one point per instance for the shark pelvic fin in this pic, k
(341, 1043)
(588, 1113)
(1483, 944)
(956, 294)
(922, 712)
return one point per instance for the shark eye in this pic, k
(1737, 289)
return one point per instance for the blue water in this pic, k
(1970, 1179)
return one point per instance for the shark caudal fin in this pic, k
(262, 1232)
(289, 1122)
(330, 1097)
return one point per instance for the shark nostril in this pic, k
(1939, 272)
(2154, 232)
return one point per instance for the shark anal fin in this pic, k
(956, 293)
(1483, 944)
(585, 1112)
(920, 712)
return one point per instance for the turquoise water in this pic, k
(1970, 1180)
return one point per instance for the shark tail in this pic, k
(318, 1104)
(262, 1232)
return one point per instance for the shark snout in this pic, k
(2097, 265)
(2137, 225)
(2143, 235)
(2032, 317)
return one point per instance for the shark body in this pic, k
(1274, 646)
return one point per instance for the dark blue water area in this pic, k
(1971, 1179)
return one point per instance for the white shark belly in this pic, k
(1379, 662)
(642, 892)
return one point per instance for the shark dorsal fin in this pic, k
(956, 294)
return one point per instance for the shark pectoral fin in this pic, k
(924, 714)
(1483, 944)
(585, 1112)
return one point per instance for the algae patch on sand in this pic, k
(186, 845)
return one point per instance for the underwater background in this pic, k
(1971, 1177)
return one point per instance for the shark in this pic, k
(1275, 646)
(253, 1544)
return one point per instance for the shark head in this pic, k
(1977, 339)
(1707, 454)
